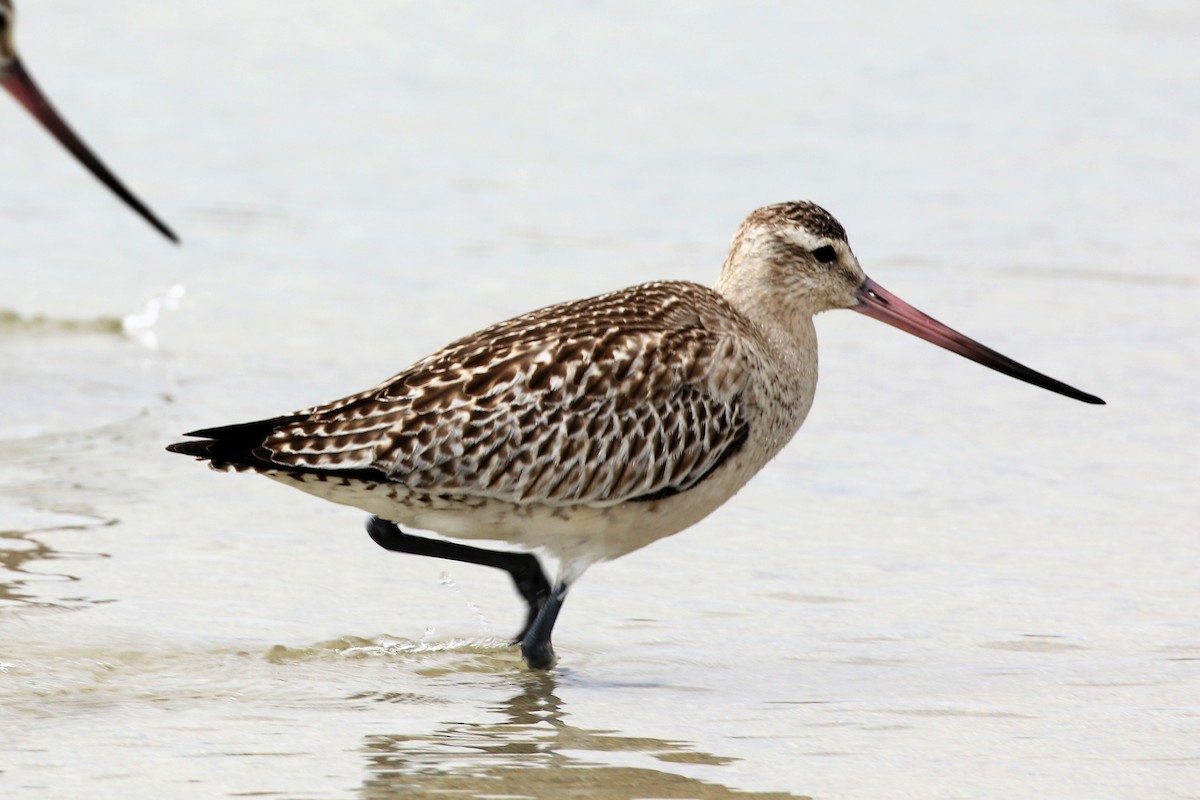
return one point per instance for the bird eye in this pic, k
(825, 255)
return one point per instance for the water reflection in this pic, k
(534, 753)
(20, 549)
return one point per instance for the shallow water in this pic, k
(950, 585)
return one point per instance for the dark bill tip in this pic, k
(20, 85)
(880, 304)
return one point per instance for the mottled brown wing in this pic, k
(636, 394)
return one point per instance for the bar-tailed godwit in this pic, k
(592, 428)
(19, 83)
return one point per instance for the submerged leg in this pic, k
(535, 645)
(524, 568)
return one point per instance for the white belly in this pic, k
(577, 535)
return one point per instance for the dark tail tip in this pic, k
(199, 449)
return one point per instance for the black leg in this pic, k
(535, 646)
(524, 568)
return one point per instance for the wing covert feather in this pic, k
(636, 394)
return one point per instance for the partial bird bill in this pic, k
(880, 304)
(20, 84)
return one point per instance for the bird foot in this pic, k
(538, 655)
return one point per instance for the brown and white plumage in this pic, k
(594, 427)
(619, 397)
(635, 396)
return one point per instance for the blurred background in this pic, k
(950, 585)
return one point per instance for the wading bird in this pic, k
(19, 83)
(591, 428)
